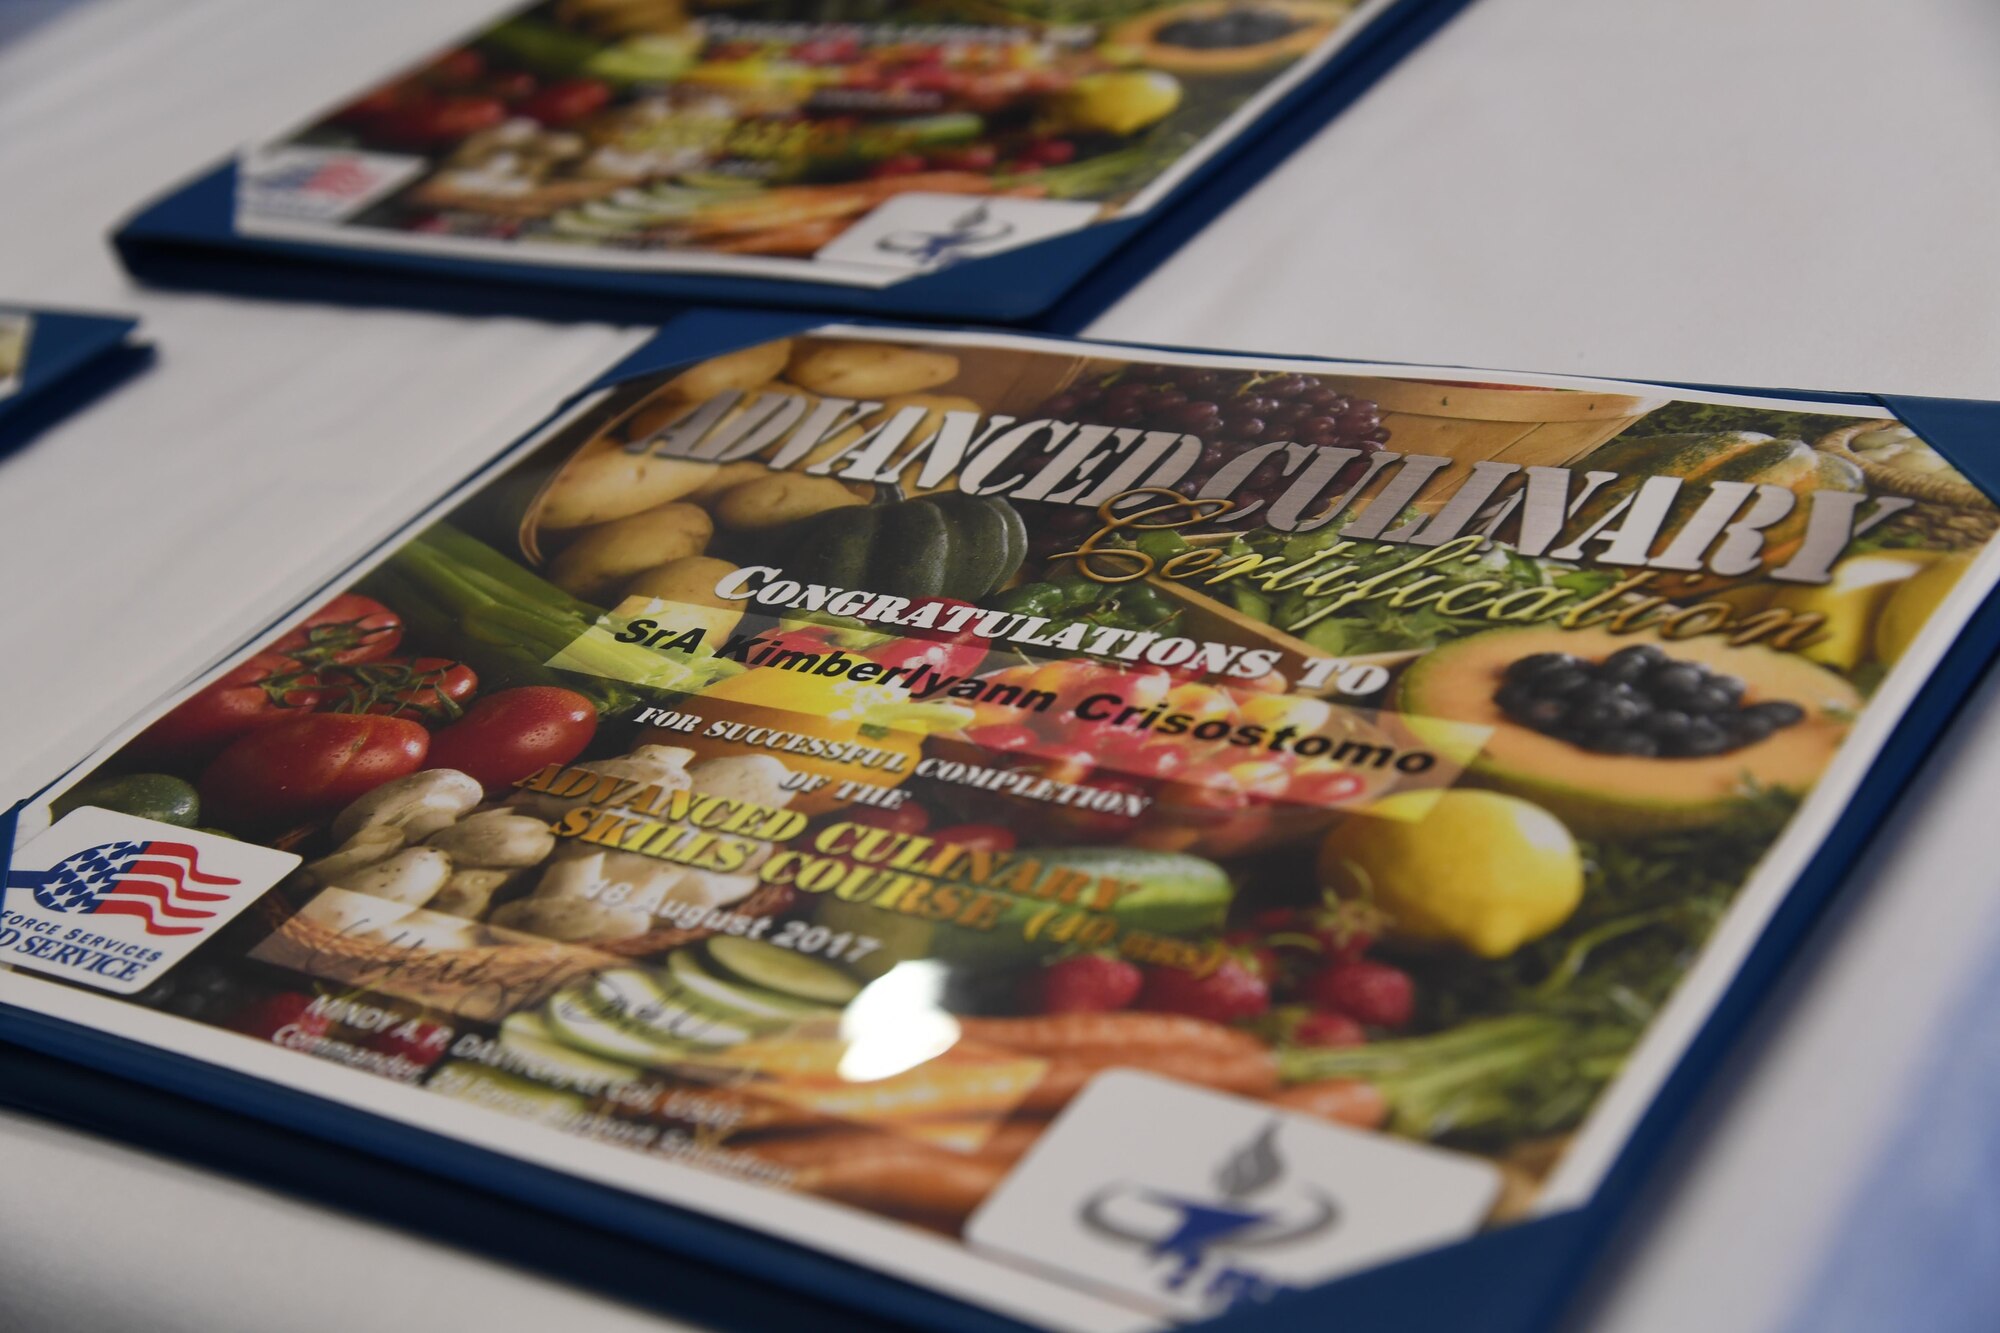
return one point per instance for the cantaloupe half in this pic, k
(1599, 794)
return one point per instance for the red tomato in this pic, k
(972, 157)
(512, 87)
(1101, 825)
(902, 164)
(440, 122)
(978, 837)
(1062, 763)
(943, 659)
(909, 817)
(1049, 152)
(349, 629)
(372, 106)
(566, 102)
(1326, 788)
(426, 689)
(308, 765)
(506, 736)
(1008, 737)
(264, 689)
(1157, 761)
(461, 66)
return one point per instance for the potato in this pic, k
(935, 405)
(691, 583)
(613, 484)
(662, 411)
(780, 498)
(691, 579)
(869, 370)
(727, 478)
(745, 370)
(656, 413)
(594, 565)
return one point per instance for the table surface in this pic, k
(1798, 192)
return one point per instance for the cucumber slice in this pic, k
(781, 970)
(753, 1002)
(575, 1020)
(669, 1014)
(528, 1035)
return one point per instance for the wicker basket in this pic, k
(1930, 489)
(1471, 422)
(1950, 513)
(766, 901)
(487, 981)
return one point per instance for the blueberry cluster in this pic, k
(1245, 26)
(1639, 701)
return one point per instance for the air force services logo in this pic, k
(1187, 1202)
(112, 901)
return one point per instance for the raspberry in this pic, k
(1368, 992)
(1087, 983)
(1235, 990)
(1328, 1028)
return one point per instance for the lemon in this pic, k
(1482, 870)
(1912, 604)
(1120, 102)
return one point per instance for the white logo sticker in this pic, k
(318, 184)
(1188, 1202)
(112, 901)
(919, 231)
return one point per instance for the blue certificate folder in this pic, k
(1516, 1277)
(191, 237)
(59, 360)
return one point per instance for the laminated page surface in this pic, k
(799, 139)
(1109, 836)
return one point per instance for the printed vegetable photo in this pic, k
(819, 763)
(768, 127)
(13, 349)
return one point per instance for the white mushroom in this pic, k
(373, 844)
(429, 930)
(707, 888)
(411, 876)
(498, 839)
(419, 804)
(347, 913)
(468, 893)
(751, 778)
(661, 766)
(578, 920)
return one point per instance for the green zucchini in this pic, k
(782, 970)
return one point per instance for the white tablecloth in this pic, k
(1797, 192)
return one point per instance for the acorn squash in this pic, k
(946, 544)
(1702, 460)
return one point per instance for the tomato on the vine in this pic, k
(507, 736)
(977, 837)
(424, 689)
(349, 629)
(308, 765)
(258, 691)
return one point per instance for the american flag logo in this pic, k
(154, 881)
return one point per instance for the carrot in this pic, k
(1107, 1034)
(1346, 1101)
(888, 1174)
(1253, 1073)
(939, 1089)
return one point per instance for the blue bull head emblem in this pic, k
(977, 226)
(1251, 1210)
